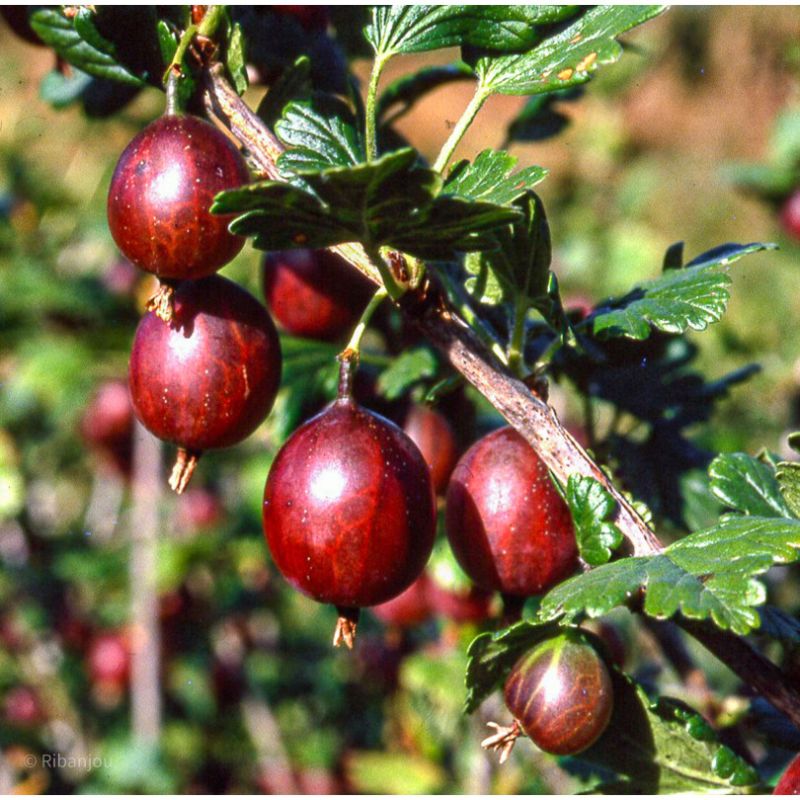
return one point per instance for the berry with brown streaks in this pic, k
(509, 528)
(561, 694)
(161, 193)
(349, 511)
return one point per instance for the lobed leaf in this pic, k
(708, 574)
(320, 132)
(566, 59)
(419, 28)
(390, 201)
(679, 300)
(747, 485)
(591, 506)
(489, 177)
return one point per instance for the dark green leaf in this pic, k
(539, 119)
(673, 258)
(519, 265)
(770, 181)
(788, 477)
(167, 41)
(61, 90)
(320, 132)
(78, 42)
(567, 58)
(747, 485)
(411, 367)
(662, 747)
(390, 201)
(407, 90)
(415, 29)
(490, 177)
(492, 655)
(591, 506)
(294, 83)
(680, 299)
(709, 574)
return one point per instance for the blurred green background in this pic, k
(254, 698)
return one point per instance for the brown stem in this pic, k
(182, 471)
(428, 310)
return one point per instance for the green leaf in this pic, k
(520, 263)
(416, 29)
(489, 177)
(411, 367)
(320, 133)
(492, 655)
(566, 59)
(294, 83)
(236, 62)
(662, 747)
(407, 90)
(390, 201)
(591, 506)
(693, 297)
(788, 477)
(709, 574)
(747, 485)
(79, 42)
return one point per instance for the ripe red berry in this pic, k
(509, 528)
(561, 694)
(410, 608)
(790, 215)
(21, 707)
(109, 659)
(208, 378)
(315, 294)
(107, 425)
(789, 782)
(431, 432)
(161, 192)
(349, 511)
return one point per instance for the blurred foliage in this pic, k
(255, 700)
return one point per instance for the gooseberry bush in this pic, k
(419, 466)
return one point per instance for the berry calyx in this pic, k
(349, 512)
(314, 294)
(209, 378)
(431, 432)
(161, 193)
(508, 527)
(561, 694)
(789, 782)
